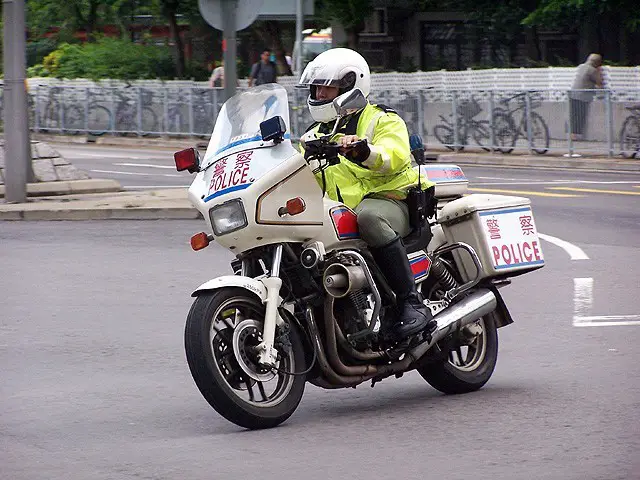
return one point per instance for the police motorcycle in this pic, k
(306, 302)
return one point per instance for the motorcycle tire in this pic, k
(457, 375)
(220, 358)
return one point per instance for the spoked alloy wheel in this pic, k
(222, 332)
(470, 360)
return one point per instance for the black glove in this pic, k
(357, 152)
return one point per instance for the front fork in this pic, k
(267, 353)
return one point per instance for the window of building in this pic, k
(376, 23)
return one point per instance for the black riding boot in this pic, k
(412, 315)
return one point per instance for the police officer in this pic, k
(371, 178)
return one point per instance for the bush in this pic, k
(38, 50)
(110, 58)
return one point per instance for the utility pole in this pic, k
(17, 148)
(299, 28)
(230, 46)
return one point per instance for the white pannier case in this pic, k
(502, 231)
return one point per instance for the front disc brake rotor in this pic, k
(247, 335)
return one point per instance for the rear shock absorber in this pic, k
(442, 273)
(359, 299)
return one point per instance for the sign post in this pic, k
(230, 46)
(17, 148)
(299, 28)
(229, 16)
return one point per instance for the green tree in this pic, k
(68, 15)
(603, 26)
(351, 14)
(171, 10)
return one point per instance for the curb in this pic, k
(107, 140)
(70, 187)
(60, 214)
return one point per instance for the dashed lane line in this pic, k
(148, 165)
(607, 321)
(583, 304)
(525, 192)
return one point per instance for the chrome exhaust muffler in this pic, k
(339, 280)
(473, 307)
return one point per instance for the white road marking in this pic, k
(102, 155)
(146, 187)
(149, 165)
(607, 321)
(583, 304)
(575, 252)
(138, 173)
(582, 296)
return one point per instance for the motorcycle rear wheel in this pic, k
(469, 364)
(222, 329)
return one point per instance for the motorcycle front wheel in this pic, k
(222, 331)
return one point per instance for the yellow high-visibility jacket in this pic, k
(387, 171)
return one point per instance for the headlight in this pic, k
(228, 217)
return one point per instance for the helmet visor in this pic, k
(322, 75)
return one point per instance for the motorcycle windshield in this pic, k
(237, 127)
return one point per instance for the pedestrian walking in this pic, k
(217, 76)
(263, 71)
(588, 77)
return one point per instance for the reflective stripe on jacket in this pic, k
(387, 171)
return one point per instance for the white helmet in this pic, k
(338, 67)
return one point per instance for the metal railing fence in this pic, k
(601, 122)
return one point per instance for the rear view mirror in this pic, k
(352, 102)
(417, 148)
(274, 129)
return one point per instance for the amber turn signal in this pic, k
(295, 206)
(200, 240)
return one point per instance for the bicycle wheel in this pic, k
(481, 134)
(444, 134)
(73, 120)
(149, 121)
(505, 132)
(99, 121)
(539, 134)
(630, 137)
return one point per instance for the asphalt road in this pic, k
(134, 168)
(95, 383)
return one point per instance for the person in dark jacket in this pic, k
(263, 71)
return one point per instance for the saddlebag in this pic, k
(502, 231)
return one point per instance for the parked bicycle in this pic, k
(630, 133)
(508, 128)
(58, 113)
(468, 126)
(99, 117)
(202, 111)
(126, 113)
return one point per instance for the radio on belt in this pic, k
(502, 231)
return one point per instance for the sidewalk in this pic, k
(125, 205)
(81, 200)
